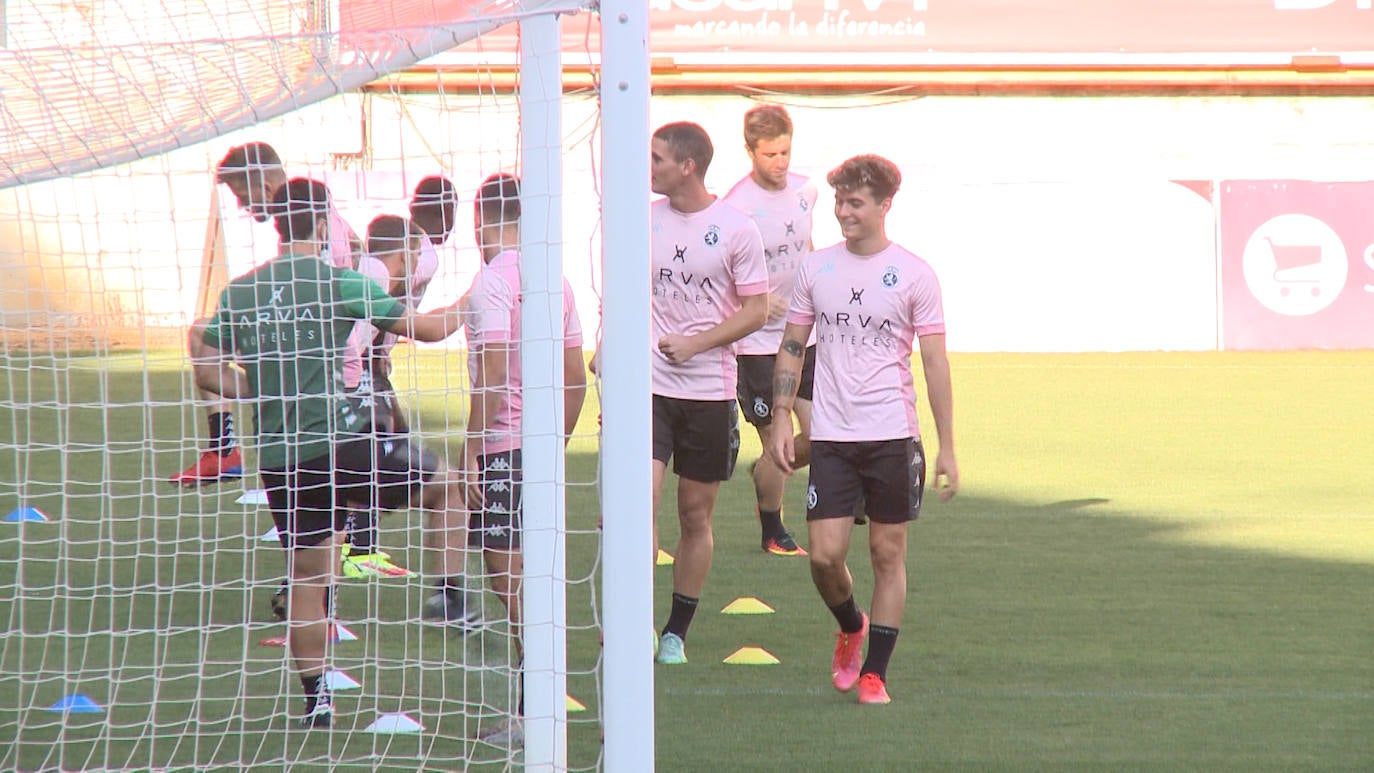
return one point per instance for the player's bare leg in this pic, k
(445, 499)
(223, 460)
(312, 574)
(887, 547)
(829, 540)
(770, 484)
(696, 504)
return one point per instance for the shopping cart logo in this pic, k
(1295, 265)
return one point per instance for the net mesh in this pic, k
(140, 629)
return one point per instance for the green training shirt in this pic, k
(287, 322)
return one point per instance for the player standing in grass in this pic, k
(492, 450)
(287, 323)
(867, 299)
(434, 208)
(710, 284)
(781, 204)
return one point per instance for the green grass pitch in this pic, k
(1158, 561)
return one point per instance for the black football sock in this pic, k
(847, 615)
(680, 618)
(311, 683)
(770, 522)
(362, 532)
(881, 641)
(222, 439)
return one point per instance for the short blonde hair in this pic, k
(766, 122)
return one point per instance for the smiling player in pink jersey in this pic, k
(710, 285)
(867, 299)
(781, 204)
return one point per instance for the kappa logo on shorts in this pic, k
(498, 487)
(890, 277)
(499, 464)
(712, 237)
(811, 496)
(388, 447)
(496, 530)
(760, 408)
(497, 508)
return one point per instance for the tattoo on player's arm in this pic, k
(784, 388)
(793, 347)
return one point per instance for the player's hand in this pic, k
(777, 306)
(472, 478)
(781, 450)
(945, 481)
(678, 349)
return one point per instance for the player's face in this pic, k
(253, 192)
(437, 220)
(859, 214)
(771, 159)
(666, 173)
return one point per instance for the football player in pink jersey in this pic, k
(492, 449)
(867, 299)
(781, 204)
(710, 286)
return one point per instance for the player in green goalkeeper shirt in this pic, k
(286, 323)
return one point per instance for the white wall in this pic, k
(1052, 221)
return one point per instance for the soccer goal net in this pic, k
(142, 140)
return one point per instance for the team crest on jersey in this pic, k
(712, 237)
(890, 277)
(801, 202)
(811, 497)
(760, 408)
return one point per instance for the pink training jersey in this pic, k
(363, 333)
(493, 318)
(703, 263)
(339, 253)
(867, 312)
(426, 266)
(784, 221)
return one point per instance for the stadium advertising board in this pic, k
(895, 32)
(1297, 264)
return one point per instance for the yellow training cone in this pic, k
(664, 558)
(747, 605)
(752, 656)
(574, 705)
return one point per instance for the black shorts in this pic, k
(375, 399)
(756, 384)
(700, 436)
(310, 501)
(497, 525)
(889, 474)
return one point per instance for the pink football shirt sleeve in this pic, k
(492, 305)
(747, 263)
(802, 311)
(928, 313)
(572, 326)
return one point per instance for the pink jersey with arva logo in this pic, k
(703, 263)
(867, 312)
(784, 221)
(494, 317)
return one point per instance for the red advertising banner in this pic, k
(1297, 264)
(895, 32)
